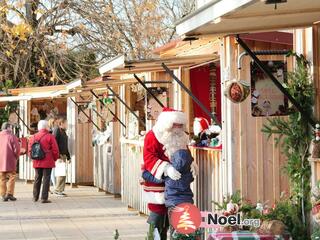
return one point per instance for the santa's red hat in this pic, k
(168, 117)
(199, 125)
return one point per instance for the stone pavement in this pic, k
(84, 214)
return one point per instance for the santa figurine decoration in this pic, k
(200, 125)
(204, 134)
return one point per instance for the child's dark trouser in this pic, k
(160, 222)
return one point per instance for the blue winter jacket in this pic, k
(177, 191)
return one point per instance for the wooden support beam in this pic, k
(126, 105)
(88, 117)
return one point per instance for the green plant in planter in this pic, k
(234, 198)
(316, 234)
(288, 212)
(295, 136)
(250, 211)
(193, 236)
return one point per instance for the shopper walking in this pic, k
(9, 153)
(43, 166)
(62, 140)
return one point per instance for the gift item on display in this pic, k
(101, 138)
(246, 235)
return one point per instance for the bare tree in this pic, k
(48, 42)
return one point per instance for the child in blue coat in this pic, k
(176, 191)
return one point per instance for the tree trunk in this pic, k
(3, 19)
(31, 16)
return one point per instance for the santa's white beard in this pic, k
(173, 140)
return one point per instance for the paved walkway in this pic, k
(84, 214)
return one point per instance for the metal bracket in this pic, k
(194, 98)
(126, 105)
(23, 122)
(88, 117)
(158, 82)
(112, 113)
(263, 53)
(267, 71)
(148, 90)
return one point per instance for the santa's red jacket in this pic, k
(155, 162)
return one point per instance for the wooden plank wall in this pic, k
(84, 153)
(316, 67)
(257, 164)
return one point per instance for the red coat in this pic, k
(49, 146)
(154, 161)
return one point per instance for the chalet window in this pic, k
(266, 98)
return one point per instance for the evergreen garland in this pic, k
(295, 135)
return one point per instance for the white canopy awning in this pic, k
(120, 65)
(223, 17)
(20, 94)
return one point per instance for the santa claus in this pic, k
(169, 129)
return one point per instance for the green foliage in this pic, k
(249, 211)
(289, 212)
(116, 234)
(193, 236)
(5, 112)
(234, 198)
(150, 232)
(6, 85)
(294, 136)
(316, 234)
(79, 64)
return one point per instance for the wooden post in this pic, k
(316, 67)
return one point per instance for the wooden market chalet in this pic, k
(218, 43)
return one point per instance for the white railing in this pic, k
(131, 160)
(207, 187)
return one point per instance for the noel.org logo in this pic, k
(186, 218)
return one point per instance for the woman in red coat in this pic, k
(44, 166)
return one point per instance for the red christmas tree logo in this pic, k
(185, 218)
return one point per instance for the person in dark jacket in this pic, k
(44, 166)
(62, 140)
(53, 123)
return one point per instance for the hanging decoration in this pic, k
(237, 91)
(82, 118)
(109, 104)
(133, 126)
(139, 90)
